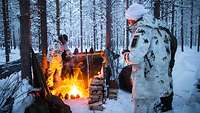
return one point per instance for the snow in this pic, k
(22, 99)
(185, 74)
(186, 98)
(121, 105)
(14, 55)
(186, 71)
(17, 88)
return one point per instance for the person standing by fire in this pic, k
(66, 57)
(149, 56)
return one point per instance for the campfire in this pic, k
(77, 84)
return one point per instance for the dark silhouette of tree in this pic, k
(25, 29)
(182, 37)
(58, 17)
(81, 24)
(157, 9)
(191, 24)
(7, 34)
(198, 44)
(94, 25)
(43, 28)
(108, 23)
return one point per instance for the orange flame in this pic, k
(69, 88)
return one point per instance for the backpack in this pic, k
(173, 45)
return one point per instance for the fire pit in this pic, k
(73, 85)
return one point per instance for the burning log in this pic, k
(73, 97)
(68, 85)
(66, 96)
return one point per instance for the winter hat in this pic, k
(135, 11)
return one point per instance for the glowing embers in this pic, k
(71, 80)
(70, 89)
(67, 87)
(74, 92)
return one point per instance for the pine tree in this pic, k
(7, 34)
(58, 17)
(157, 9)
(43, 28)
(108, 23)
(25, 29)
(81, 25)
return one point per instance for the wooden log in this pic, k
(96, 96)
(96, 92)
(99, 108)
(97, 88)
(113, 84)
(93, 100)
(96, 103)
(98, 77)
(113, 90)
(97, 81)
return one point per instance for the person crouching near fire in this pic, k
(66, 57)
(149, 56)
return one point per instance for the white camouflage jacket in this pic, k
(150, 49)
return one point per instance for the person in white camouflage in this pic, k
(149, 55)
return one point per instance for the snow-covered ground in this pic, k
(185, 74)
(121, 105)
(14, 55)
(186, 71)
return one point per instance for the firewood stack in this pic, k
(113, 89)
(97, 94)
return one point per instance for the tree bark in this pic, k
(81, 25)
(101, 26)
(173, 14)
(7, 34)
(25, 29)
(94, 24)
(108, 23)
(127, 32)
(198, 39)
(182, 37)
(198, 44)
(191, 25)
(58, 17)
(157, 9)
(70, 23)
(14, 40)
(43, 28)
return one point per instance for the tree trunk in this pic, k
(81, 25)
(157, 9)
(43, 28)
(14, 40)
(101, 46)
(101, 27)
(58, 17)
(198, 44)
(191, 25)
(198, 39)
(7, 33)
(94, 24)
(182, 38)
(127, 32)
(108, 23)
(25, 29)
(70, 22)
(173, 16)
